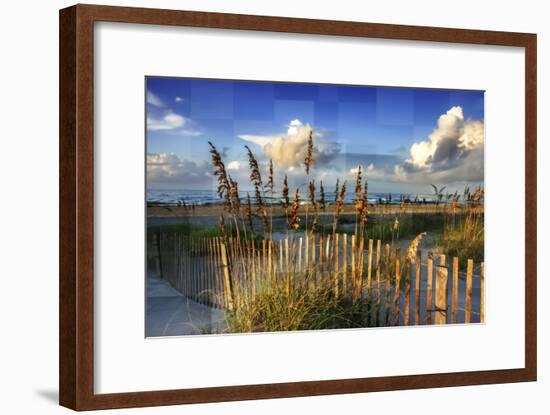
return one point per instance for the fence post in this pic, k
(388, 283)
(320, 269)
(417, 288)
(328, 261)
(159, 252)
(369, 270)
(287, 270)
(299, 273)
(270, 262)
(397, 290)
(359, 287)
(312, 265)
(345, 265)
(429, 289)
(378, 285)
(353, 237)
(407, 305)
(441, 294)
(253, 265)
(469, 275)
(227, 277)
(454, 304)
(215, 293)
(306, 257)
(335, 249)
(221, 276)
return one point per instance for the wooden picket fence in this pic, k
(416, 290)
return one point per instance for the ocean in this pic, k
(210, 197)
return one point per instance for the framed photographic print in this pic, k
(257, 207)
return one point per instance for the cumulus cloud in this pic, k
(154, 99)
(289, 150)
(178, 99)
(452, 139)
(452, 152)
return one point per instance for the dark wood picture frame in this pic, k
(76, 282)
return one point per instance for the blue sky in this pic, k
(375, 127)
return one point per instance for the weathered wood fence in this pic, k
(404, 288)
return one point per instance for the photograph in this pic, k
(276, 206)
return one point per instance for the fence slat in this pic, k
(388, 283)
(344, 265)
(287, 270)
(336, 251)
(359, 288)
(378, 284)
(441, 294)
(369, 270)
(469, 276)
(312, 277)
(482, 294)
(328, 260)
(407, 305)
(353, 267)
(397, 289)
(454, 303)
(227, 278)
(429, 282)
(320, 279)
(270, 262)
(281, 267)
(253, 266)
(417, 287)
(299, 272)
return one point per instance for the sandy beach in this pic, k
(278, 211)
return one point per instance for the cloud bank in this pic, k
(453, 152)
(167, 170)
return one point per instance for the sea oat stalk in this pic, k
(322, 203)
(224, 187)
(294, 218)
(313, 205)
(339, 206)
(256, 179)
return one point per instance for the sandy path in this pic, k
(171, 314)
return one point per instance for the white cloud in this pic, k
(169, 121)
(154, 100)
(234, 165)
(289, 150)
(451, 140)
(452, 152)
(168, 170)
(294, 126)
(354, 170)
(260, 140)
(178, 99)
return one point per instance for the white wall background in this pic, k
(29, 208)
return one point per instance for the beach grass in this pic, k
(274, 308)
(463, 236)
